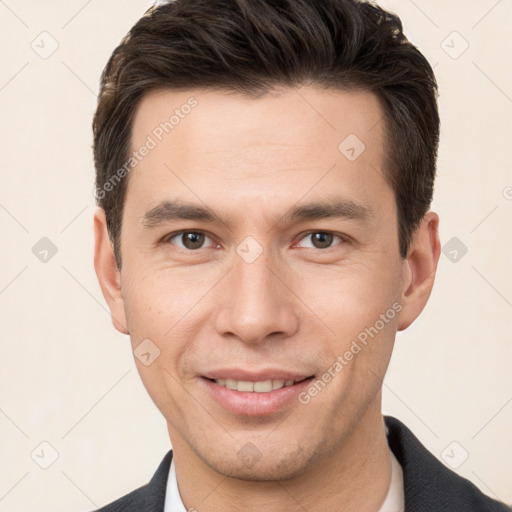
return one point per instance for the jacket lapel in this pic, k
(428, 484)
(154, 495)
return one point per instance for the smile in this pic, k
(261, 386)
(258, 397)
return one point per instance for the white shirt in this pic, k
(394, 501)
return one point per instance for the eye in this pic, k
(321, 239)
(190, 240)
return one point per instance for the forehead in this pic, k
(223, 144)
(307, 113)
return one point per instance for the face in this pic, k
(259, 248)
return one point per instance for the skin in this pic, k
(296, 307)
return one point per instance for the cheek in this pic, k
(157, 301)
(163, 307)
(349, 300)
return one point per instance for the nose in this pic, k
(256, 304)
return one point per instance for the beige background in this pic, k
(68, 378)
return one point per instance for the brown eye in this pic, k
(320, 239)
(190, 240)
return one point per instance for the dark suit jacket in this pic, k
(429, 486)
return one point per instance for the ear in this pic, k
(419, 269)
(109, 276)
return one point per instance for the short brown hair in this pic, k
(252, 46)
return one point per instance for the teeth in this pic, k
(262, 386)
(231, 384)
(244, 385)
(276, 384)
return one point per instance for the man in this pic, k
(264, 176)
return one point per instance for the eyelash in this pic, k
(167, 239)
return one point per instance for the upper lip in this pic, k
(255, 376)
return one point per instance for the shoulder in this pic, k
(147, 498)
(132, 502)
(428, 482)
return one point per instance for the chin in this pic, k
(260, 467)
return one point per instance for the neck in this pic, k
(355, 477)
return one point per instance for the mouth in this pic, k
(260, 386)
(255, 395)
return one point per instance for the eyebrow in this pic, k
(167, 211)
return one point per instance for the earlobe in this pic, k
(109, 276)
(419, 269)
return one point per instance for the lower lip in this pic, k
(255, 404)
